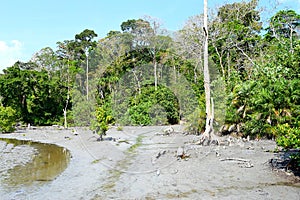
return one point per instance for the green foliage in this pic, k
(134, 100)
(284, 24)
(138, 114)
(295, 160)
(218, 88)
(70, 119)
(154, 107)
(101, 122)
(196, 120)
(261, 105)
(158, 115)
(234, 34)
(37, 97)
(289, 138)
(7, 119)
(82, 109)
(269, 98)
(135, 26)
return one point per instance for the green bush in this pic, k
(196, 120)
(82, 112)
(153, 107)
(289, 138)
(158, 115)
(262, 105)
(295, 160)
(101, 123)
(7, 119)
(139, 114)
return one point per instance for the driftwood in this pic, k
(246, 163)
(180, 152)
(167, 131)
(235, 159)
(157, 156)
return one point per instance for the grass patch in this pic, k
(122, 165)
(138, 143)
(123, 141)
(120, 128)
(96, 161)
(180, 195)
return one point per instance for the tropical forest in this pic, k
(144, 75)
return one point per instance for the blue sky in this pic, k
(28, 26)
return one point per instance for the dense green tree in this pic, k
(234, 41)
(284, 23)
(268, 100)
(83, 45)
(189, 43)
(36, 97)
(45, 59)
(71, 55)
(131, 53)
(85, 41)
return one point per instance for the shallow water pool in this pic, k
(26, 163)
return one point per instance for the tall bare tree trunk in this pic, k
(87, 74)
(208, 124)
(68, 97)
(137, 81)
(208, 135)
(155, 70)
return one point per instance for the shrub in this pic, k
(196, 120)
(289, 138)
(7, 119)
(101, 123)
(152, 107)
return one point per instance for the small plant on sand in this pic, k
(101, 123)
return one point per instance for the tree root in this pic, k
(208, 139)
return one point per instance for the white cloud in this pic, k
(10, 52)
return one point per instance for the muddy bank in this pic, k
(12, 156)
(142, 163)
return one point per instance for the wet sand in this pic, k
(142, 163)
(10, 156)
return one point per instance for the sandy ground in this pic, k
(142, 163)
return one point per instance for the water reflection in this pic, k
(47, 163)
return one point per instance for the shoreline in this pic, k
(142, 164)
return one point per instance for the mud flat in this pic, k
(145, 163)
(12, 156)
